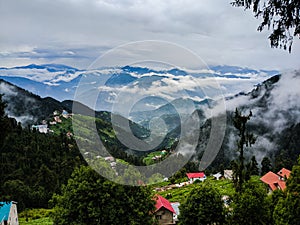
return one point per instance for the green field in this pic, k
(225, 187)
(35, 216)
(41, 221)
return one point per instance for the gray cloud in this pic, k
(280, 111)
(217, 32)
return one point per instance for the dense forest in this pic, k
(33, 165)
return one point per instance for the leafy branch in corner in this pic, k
(281, 16)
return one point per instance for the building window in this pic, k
(158, 217)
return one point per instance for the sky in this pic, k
(76, 32)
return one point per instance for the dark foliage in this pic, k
(32, 165)
(89, 198)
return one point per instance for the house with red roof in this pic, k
(284, 173)
(163, 211)
(276, 181)
(196, 176)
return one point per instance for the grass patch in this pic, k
(33, 214)
(225, 187)
(148, 159)
(41, 221)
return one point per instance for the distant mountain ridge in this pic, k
(274, 104)
(61, 81)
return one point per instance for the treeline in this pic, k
(32, 165)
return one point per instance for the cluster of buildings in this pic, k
(167, 212)
(57, 118)
(159, 157)
(112, 161)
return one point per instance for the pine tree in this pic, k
(266, 166)
(254, 166)
(245, 139)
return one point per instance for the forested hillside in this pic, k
(275, 124)
(33, 165)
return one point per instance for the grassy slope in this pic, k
(35, 216)
(41, 221)
(225, 187)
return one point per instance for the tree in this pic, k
(203, 206)
(16, 190)
(90, 199)
(274, 198)
(266, 166)
(250, 207)
(3, 121)
(281, 16)
(287, 210)
(245, 139)
(254, 166)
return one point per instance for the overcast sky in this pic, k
(76, 32)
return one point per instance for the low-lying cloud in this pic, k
(274, 110)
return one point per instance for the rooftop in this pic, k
(162, 202)
(196, 175)
(284, 173)
(274, 181)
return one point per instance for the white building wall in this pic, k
(13, 215)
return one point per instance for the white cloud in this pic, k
(281, 107)
(216, 31)
(7, 90)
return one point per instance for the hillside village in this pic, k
(45, 126)
(168, 196)
(167, 212)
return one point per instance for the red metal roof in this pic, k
(284, 173)
(196, 175)
(162, 202)
(273, 181)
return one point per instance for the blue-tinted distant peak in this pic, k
(177, 72)
(59, 67)
(31, 66)
(137, 70)
(145, 70)
(223, 69)
(49, 67)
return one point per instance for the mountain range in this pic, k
(110, 84)
(274, 102)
